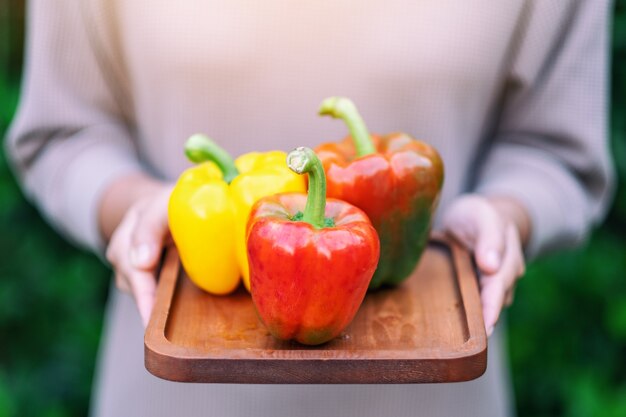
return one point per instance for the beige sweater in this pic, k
(512, 93)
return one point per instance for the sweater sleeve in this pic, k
(550, 149)
(68, 140)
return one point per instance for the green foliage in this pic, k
(51, 305)
(567, 332)
(51, 296)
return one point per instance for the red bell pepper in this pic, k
(395, 179)
(311, 260)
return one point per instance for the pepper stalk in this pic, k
(344, 109)
(303, 160)
(200, 148)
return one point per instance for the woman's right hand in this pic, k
(134, 214)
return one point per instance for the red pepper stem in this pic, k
(200, 148)
(304, 161)
(343, 108)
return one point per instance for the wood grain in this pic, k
(429, 329)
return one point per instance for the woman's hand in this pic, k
(134, 214)
(495, 230)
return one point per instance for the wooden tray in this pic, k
(430, 329)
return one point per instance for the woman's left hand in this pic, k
(495, 230)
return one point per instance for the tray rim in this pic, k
(161, 354)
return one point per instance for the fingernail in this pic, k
(492, 259)
(489, 331)
(140, 255)
(145, 310)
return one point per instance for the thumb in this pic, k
(490, 241)
(144, 255)
(148, 239)
(477, 224)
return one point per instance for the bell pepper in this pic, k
(311, 260)
(209, 208)
(395, 179)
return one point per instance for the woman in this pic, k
(512, 94)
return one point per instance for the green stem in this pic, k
(304, 161)
(343, 108)
(199, 148)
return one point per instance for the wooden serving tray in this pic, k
(429, 329)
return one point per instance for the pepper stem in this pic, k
(304, 161)
(199, 148)
(343, 108)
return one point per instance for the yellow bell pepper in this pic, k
(210, 205)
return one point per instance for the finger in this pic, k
(514, 257)
(121, 238)
(143, 287)
(458, 220)
(149, 235)
(121, 282)
(490, 241)
(513, 242)
(140, 284)
(497, 289)
(477, 225)
(118, 248)
(508, 297)
(492, 298)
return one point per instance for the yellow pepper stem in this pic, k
(200, 148)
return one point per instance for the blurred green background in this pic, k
(567, 328)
